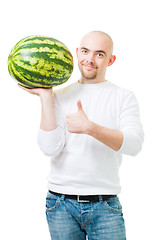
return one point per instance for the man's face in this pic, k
(93, 56)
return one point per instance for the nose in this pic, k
(90, 58)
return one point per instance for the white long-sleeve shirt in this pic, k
(80, 164)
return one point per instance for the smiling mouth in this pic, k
(89, 66)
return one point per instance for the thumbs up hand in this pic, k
(77, 122)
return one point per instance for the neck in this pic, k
(90, 81)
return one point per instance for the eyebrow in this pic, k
(98, 51)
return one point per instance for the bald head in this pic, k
(97, 38)
(94, 56)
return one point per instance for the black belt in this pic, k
(80, 198)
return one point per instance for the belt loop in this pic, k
(62, 197)
(100, 198)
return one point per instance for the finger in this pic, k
(24, 88)
(30, 90)
(19, 85)
(68, 116)
(79, 105)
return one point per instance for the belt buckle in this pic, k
(81, 201)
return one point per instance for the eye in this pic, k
(100, 55)
(84, 51)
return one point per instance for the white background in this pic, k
(134, 27)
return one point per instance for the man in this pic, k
(85, 128)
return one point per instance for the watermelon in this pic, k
(40, 62)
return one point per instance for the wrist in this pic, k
(90, 128)
(46, 96)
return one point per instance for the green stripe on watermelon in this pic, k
(28, 76)
(42, 41)
(45, 54)
(43, 67)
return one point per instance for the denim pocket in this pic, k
(52, 202)
(113, 205)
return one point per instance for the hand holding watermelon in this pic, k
(37, 91)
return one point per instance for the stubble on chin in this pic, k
(88, 74)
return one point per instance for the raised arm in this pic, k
(51, 135)
(48, 120)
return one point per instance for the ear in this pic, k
(112, 60)
(77, 50)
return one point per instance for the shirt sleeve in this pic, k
(131, 127)
(52, 142)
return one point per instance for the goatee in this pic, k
(89, 75)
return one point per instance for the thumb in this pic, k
(79, 105)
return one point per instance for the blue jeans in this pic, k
(70, 220)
